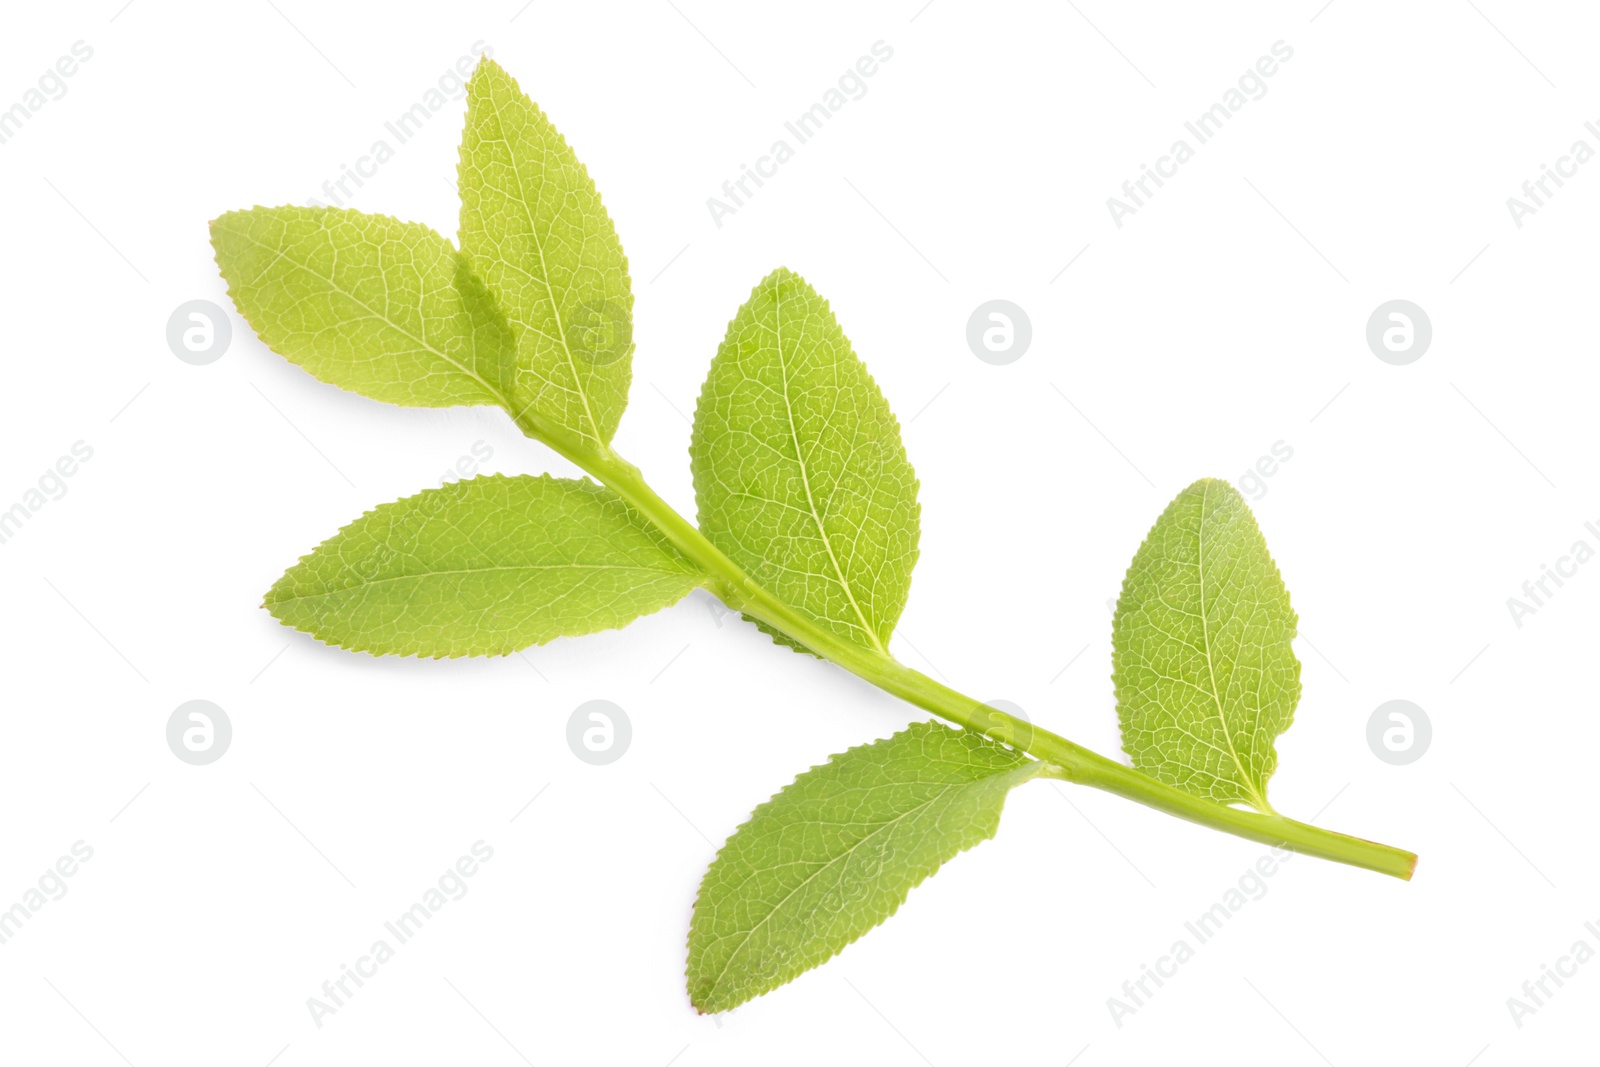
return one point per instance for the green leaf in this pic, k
(483, 568)
(534, 229)
(1204, 672)
(835, 854)
(798, 467)
(380, 307)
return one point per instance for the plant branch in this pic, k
(1068, 761)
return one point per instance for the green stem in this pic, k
(1073, 763)
(1068, 761)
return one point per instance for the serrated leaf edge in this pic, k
(486, 62)
(894, 421)
(267, 602)
(211, 230)
(1032, 768)
(1294, 621)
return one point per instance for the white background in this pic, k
(1226, 315)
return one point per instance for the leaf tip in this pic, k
(1209, 485)
(487, 65)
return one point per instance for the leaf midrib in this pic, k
(1205, 635)
(1028, 767)
(808, 879)
(544, 272)
(452, 571)
(363, 305)
(805, 476)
